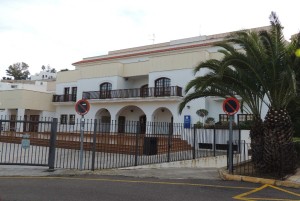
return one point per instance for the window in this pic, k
(224, 117)
(105, 90)
(74, 93)
(72, 119)
(66, 93)
(144, 90)
(162, 87)
(63, 119)
(245, 117)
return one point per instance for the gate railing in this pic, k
(108, 145)
(22, 146)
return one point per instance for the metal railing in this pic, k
(108, 145)
(134, 93)
(64, 98)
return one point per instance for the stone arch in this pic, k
(162, 119)
(131, 118)
(103, 118)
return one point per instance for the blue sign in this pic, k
(187, 121)
(25, 141)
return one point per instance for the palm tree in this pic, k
(276, 75)
(225, 80)
(261, 70)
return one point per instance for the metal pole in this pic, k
(51, 158)
(81, 142)
(194, 144)
(169, 140)
(138, 131)
(230, 146)
(94, 145)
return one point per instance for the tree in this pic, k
(264, 66)
(19, 71)
(43, 67)
(53, 70)
(202, 113)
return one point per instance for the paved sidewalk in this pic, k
(163, 173)
(144, 171)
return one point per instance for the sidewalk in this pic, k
(144, 171)
(163, 173)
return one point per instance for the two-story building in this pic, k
(143, 84)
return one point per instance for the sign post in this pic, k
(230, 107)
(82, 107)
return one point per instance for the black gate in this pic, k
(20, 145)
(58, 144)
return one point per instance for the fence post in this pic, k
(82, 123)
(214, 141)
(94, 145)
(239, 149)
(137, 143)
(194, 147)
(169, 140)
(51, 158)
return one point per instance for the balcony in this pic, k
(150, 92)
(64, 98)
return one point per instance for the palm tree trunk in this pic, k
(257, 143)
(279, 152)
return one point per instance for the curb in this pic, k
(226, 176)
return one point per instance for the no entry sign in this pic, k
(231, 106)
(82, 107)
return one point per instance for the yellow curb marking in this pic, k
(268, 199)
(243, 195)
(133, 181)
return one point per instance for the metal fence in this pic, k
(107, 145)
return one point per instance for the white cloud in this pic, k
(60, 32)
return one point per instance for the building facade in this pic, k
(26, 100)
(143, 84)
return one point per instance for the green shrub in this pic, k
(245, 125)
(198, 124)
(225, 124)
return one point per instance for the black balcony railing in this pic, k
(64, 98)
(134, 93)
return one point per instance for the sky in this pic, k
(60, 32)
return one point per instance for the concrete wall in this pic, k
(26, 99)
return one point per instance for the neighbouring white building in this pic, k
(44, 75)
(143, 84)
(26, 100)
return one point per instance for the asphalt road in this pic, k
(120, 188)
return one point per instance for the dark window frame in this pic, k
(72, 119)
(224, 117)
(63, 119)
(105, 90)
(245, 117)
(162, 86)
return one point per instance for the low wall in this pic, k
(207, 162)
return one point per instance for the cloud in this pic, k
(61, 32)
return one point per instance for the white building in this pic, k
(44, 75)
(139, 84)
(28, 100)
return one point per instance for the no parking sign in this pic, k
(231, 106)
